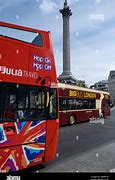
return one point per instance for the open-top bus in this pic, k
(28, 98)
(78, 104)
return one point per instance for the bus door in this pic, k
(63, 111)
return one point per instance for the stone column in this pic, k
(66, 75)
(66, 13)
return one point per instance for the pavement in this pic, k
(113, 108)
(93, 161)
(99, 159)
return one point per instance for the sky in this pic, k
(92, 32)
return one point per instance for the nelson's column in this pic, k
(66, 76)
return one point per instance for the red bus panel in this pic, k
(28, 95)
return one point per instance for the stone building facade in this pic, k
(101, 85)
(111, 84)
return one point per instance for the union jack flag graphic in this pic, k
(25, 146)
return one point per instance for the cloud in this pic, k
(9, 3)
(98, 1)
(48, 6)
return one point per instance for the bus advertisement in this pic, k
(78, 104)
(28, 98)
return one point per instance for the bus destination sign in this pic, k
(82, 94)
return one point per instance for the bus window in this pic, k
(63, 104)
(23, 103)
(75, 103)
(31, 104)
(70, 104)
(37, 40)
(53, 111)
(37, 104)
(85, 104)
(22, 35)
(80, 104)
(10, 104)
(92, 104)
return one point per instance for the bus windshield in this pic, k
(22, 103)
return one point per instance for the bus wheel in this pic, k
(72, 120)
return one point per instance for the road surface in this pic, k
(85, 147)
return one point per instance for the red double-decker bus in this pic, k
(28, 98)
(78, 104)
